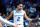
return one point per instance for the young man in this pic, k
(18, 15)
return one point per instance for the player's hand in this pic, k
(35, 20)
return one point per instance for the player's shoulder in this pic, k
(23, 11)
(13, 11)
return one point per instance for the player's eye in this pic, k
(21, 6)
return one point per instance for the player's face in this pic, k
(20, 6)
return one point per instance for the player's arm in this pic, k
(6, 22)
(26, 17)
(10, 16)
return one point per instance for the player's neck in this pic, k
(18, 10)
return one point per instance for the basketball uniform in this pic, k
(18, 18)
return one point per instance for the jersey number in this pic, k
(18, 19)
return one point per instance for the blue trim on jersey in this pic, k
(18, 15)
(18, 12)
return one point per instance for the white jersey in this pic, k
(18, 17)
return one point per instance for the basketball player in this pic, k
(18, 15)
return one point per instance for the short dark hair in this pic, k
(19, 3)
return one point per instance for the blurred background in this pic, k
(31, 7)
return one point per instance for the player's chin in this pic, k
(20, 8)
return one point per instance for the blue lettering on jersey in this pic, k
(18, 19)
